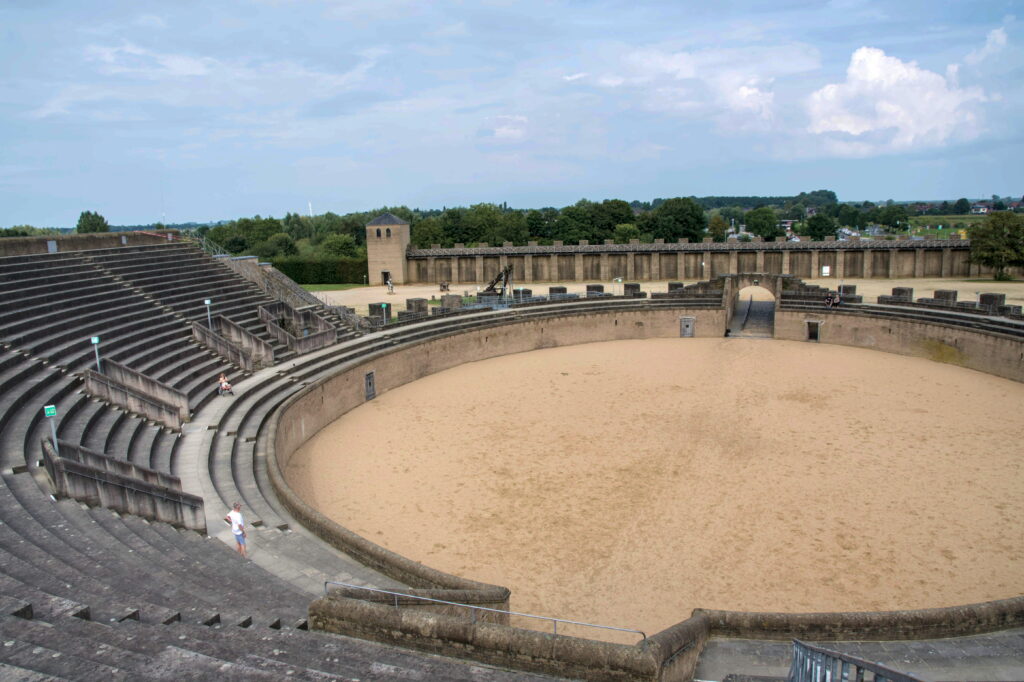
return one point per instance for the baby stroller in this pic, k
(224, 386)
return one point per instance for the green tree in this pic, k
(297, 227)
(962, 207)
(514, 227)
(276, 245)
(894, 216)
(91, 222)
(718, 227)
(998, 243)
(795, 212)
(764, 223)
(674, 219)
(607, 215)
(428, 232)
(625, 232)
(339, 245)
(483, 223)
(850, 216)
(820, 226)
(732, 214)
(574, 222)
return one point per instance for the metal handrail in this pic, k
(206, 244)
(815, 664)
(746, 314)
(554, 621)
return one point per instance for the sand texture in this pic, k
(628, 482)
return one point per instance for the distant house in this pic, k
(979, 209)
(812, 210)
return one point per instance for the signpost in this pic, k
(96, 347)
(209, 319)
(50, 411)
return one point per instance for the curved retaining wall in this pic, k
(1001, 354)
(671, 654)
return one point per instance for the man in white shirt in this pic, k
(234, 518)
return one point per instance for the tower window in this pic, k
(389, 233)
(378, 233)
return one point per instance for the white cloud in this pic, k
(574, 77)
(138, 75)
(994, 42)
(887, 104)
(510, 128)
(733, 86)
(150, 21)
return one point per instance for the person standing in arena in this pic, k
(237, 522)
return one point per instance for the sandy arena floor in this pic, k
(360, 297)
(626, 483)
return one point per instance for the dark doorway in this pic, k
(385, 276)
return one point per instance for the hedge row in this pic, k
(323, 270)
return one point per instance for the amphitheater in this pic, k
(116, 562)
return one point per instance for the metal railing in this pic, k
(746, 313)
(207, 245)
(474, 608)
(815, 664)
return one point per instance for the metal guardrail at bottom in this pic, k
(815, 664)
(474, 609)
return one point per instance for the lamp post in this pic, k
(209, 318)
(96, 347)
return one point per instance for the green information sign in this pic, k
(50, 410)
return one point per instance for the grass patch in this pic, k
(330, 287)
(466, 300)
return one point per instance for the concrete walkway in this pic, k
(295, 555)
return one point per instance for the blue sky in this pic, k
(201, 111)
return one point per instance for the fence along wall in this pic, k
(685, 261)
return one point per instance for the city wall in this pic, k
(682, 260)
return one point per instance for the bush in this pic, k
(323, 270)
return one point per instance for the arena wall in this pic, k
(673, 653)
(24, 246)
(985, 351)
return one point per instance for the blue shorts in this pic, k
(240, 539)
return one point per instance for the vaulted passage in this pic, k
(753, 313)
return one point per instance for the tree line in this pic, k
(816, 214)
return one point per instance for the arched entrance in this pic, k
(753, 314)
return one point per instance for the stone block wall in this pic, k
(138, 393)
(234, 344)
(99, 480)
